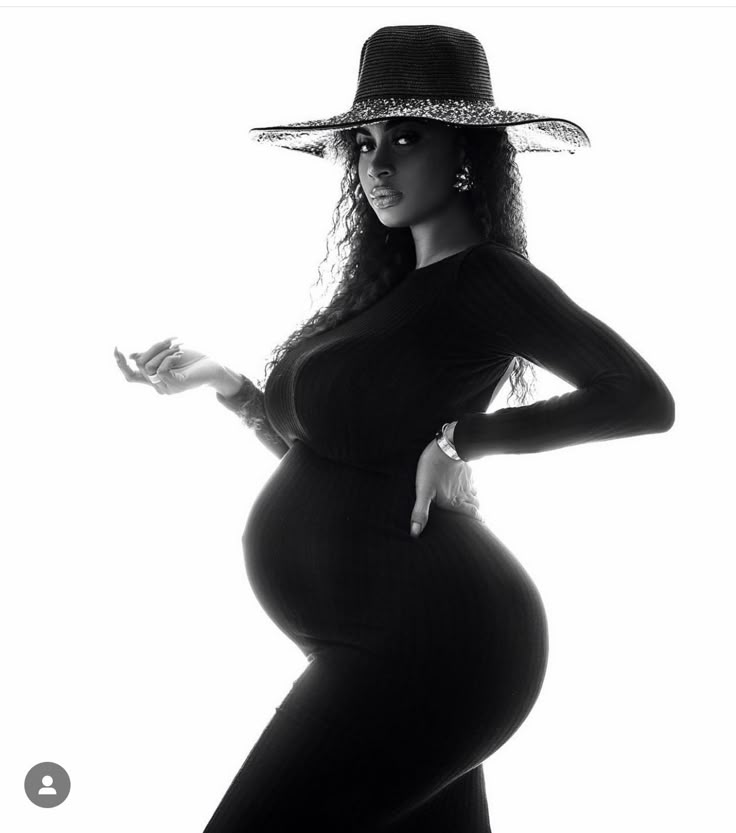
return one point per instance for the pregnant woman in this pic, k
(425, 637)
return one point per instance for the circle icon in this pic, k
(47, 784)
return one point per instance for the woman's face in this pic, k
(415, 158)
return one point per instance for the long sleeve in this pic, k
(247, 403)
(507, 307)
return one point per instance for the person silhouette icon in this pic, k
(47, 789)
(54, 781)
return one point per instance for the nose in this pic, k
(381, 164)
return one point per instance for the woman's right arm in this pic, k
(241, 396)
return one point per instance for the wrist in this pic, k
(443, 439)
(226, 382)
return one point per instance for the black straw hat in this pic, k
(429, 72)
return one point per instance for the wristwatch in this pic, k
(445, 444)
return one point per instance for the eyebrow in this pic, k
(389, 124)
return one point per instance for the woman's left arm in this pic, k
(248, 402)
(503, 306)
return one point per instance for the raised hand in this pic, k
(169, 368)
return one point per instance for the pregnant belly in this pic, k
(329, 557)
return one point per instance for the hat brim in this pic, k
(526, 131)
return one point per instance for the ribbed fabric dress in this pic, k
(425, 655)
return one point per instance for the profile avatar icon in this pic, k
(47, 784)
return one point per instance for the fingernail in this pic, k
(415, 528)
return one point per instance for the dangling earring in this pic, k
(463, 179)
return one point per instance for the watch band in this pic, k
(445, 444)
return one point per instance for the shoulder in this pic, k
(484, 280)
(499, 283)
(490, 249)
(490, 254)
(492, 267)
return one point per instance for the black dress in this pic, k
(426, 654)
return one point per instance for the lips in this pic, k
(382, 192)
(387, 201)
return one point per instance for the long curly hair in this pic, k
(369, 259)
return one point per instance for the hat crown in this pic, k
(423, 61)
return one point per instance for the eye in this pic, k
(362, 142)
(408, 135)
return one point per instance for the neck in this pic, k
(445, 234)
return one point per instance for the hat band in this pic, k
(418, 105)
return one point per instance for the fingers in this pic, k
(472, 498)
(466, 505)
(150, 366)
(471, 509)
(164, 370)
(461, 499)
(147, 362)
(153, 365)
(438, 481)
(167, 361)
(127, 371)
(158, 347)
(419, 516)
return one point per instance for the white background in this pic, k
(133, 206)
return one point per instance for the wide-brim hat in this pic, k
(428, 72)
